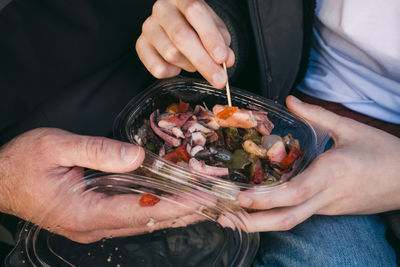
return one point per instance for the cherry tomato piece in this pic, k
(290, 158)
(172, 109)
(259, 176)
(182, 107)
(178, 154)
(148, 200)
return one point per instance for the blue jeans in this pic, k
(328, 241)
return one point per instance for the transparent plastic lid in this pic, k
(195, 92)
(217, 234)
(202, 241)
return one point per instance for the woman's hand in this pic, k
(185, 34)
(359, 175)
(38, 168)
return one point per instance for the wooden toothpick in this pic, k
(228, 90)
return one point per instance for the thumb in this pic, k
(317, 116)
(102, 154)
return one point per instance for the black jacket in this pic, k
(68, 64)
(279, 35)
(72, 64)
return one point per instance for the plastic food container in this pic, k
(208, 241)
(192, 91)
(202, 242)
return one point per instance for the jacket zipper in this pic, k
(265, 74)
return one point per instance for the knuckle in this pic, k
(139, 44)
(226, 35)
(147, 25)
(288, 222)
(190, 68)
(47, 139)
(180, 34)
(95, 147)
(171, 54)
(158, 8)
(164, 71)
(159, 71)
(193, 8)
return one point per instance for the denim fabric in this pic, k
(328, 241)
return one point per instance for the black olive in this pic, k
(238, 176)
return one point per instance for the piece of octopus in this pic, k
(173, 123)
(206, 116)
(198, 139)
(177, 132)
(163, 135)
(194, 126)
(189, 122)
(201, 167)
(245, 118)
(174, 120)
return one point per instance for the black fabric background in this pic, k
(68, 64)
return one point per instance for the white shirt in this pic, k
(355, 56)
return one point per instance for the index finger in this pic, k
(212, 36)
(188, 42)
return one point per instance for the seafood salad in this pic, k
(226, 142)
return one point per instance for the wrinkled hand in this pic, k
(38, 168)
(360, 175)
(185, 34)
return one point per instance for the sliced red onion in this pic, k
(277, 152)
(166, 137)
(201, 167)
(197, 127)
(267, 141)
(175, 120)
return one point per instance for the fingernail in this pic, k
(296, 100)
(130, 153)
(245, 201)
(219, 54)
(219, 79)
